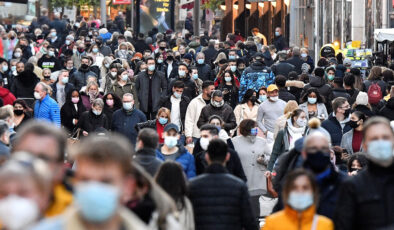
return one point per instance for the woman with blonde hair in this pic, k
(91, 93)
(281, 121)
(163, 118)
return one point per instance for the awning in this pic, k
(381, 35)
(187, 4)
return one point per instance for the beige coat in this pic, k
(242, 112)
(192, 115)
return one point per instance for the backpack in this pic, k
(374, 94)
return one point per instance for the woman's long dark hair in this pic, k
(23, 104)
(171, 178)
(223, 82)
(117, 100)
(248, 94)
(304, 98)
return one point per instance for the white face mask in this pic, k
(37, 95)
(204, 142)
(301, 122)
(17, 213)
(274, 98)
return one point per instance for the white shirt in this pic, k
(169, 69)
(176, 111)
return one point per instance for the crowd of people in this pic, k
(103, 128)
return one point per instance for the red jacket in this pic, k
(7, 96)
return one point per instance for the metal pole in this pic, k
(103, 12)
(196, 13)
(132, 15)
(342, 23)
(316, 29)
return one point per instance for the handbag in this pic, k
(74, 137)
(266, 205)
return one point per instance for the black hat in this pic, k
(258, 56)
(170, 126)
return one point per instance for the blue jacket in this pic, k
(47, 110)
(334, 128)
(124, 123)
(185, 159)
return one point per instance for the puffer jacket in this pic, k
(225, 112)
(254, 77)
(221, 201)
(184, 158)
(290, 219)
(205, 72)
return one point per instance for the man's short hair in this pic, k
(375, 121)
(179, 85)
(206, 84)
(128, 95)
(102, 150)
(213, 130)
(338, 102)
(217, 150)
(149, 138)
(40, 128)
(280, 81)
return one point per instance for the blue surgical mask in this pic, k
(262, 98)
(53, 34)
(13, 68)
(170, 142)
(227, 79)
(151, 67)
(182, 73)
(125, 77)
(127, 106)
(330, 77)
(5, 68)
(195, 76)
(300, 200)
(219, 128)
(233, 68)
(97, 202)
(65, 80)
(51, 53)
(95, 112)
(254, 131)
(381, 152)
(177, 95)
(159, 61)
(68, 42)
(304, 55)
(200, 61)
(277, 34)
(163, 120)
(231, 57)
(95, 50)
(312, 100)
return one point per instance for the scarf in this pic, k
(294, 133)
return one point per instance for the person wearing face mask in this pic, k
(337, 88)
(318, 81)
(61, 88)
(25, 187)
(352, 140)
(22, 113)
(173, 151)
(337, 122)
(365, 201)
(151, 86)
(163, 118)
(295, 128)
(190, 89)
(78, 79)
(300, 195)
(50, 60)
(284, 94)
(93, 119)
(46, 76)
(248, 107)
(213, 191)
(229, 88)
(4, 72)
(103, 48)
(279, 40)
(45, 107)
(95, 179)
(4, 141)
(250, 147)
(307, 58)
(69, 66)
(218, 107)
(94, 53)
(123, 52)
(177, 103)
(111, 104)
(270, 110)
(313, 104)
(72, 110)
(170, 66)
(296, 60)
(67, 46)
(204, 70)
(89, 94)
(194, 77)
(160, 62)
(125, 119)
(110, 77)
(24, 83)
(218, 122)
(123, 85)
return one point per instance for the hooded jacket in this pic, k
(7, 96)
(320, 84)
(184, 158)
(24, 84)
(146, 157)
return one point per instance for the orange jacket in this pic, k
(289, 219)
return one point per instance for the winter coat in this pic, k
(67, 89)
(78, 79)
(320, 84)
(210, 54)
(159, 89)
(184, 158)
(225, 112)
(51, 63)
(366, 200)
(146, 157)
(367, 111)
(285, 95)
(90, 122)
(295, 87)
(124, 123)
(86, 100)
(280, 43)
(282, 68)
(321, 110)
(297, 62)
(338, 92)
(205, 72)
(129, 87)
(335, 130)
(242, 112)
(68, 113)
(7, 97)
(166, 102)
(221, 201)
(254, 77)
(24, 84)
(190, 90)
(47, 110)
(291, 219)
(347, 142)
(193, 113)
(388, 110)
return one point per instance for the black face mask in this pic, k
(84, 66)
(18, 112)
(47, 77)
(170, 58)
(253, 99)
(317, 162)
(352, 124)
(12, 37)
(162, 48)
(347, 113)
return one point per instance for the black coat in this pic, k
(335, 130)
(338, 92)
(166, 102)
(174, 71)
(388, 110)
(89, 122)
(285, 95)
(320, 84)
(205, 73)
(67, 89)
(78, 79)
(68, 113)
(282, 68)
(221, 201)
(146, 158)
(225, 112)
(24, 84)
(363, 108)
(297, 62)
(60, 27)
(141, 46)
(280, 43)
(190, 90)
(366, 201)
(210, 54)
